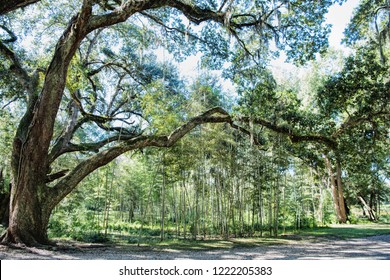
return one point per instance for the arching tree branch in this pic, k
(126, 144)
(7, 6)
(16, 67)
(294, 136)
(70, 181)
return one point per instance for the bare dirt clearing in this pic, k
(372, 248)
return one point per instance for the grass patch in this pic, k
(348, 231)
(178, 244)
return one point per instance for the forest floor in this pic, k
(289, 247)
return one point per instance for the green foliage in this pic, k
(370, 25)
(299, 44)
(362, 87)
(162, 107)
(7, 126)
(369, 15)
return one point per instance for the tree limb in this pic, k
(12, 36)
(55, 176)
(294, 137)
(122, 13)
(352, 122)
(20, 73)
(70, 181)
(7, 6)
(195, 14)
(166, 27)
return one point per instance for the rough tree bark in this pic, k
(11, 5)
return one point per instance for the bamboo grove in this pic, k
(229, 189)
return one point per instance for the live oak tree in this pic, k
(330, 137)
(94, 76)
(359, 96)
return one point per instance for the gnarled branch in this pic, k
(11, 5)
(294, 136)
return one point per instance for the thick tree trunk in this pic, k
(340, 192)
(29, 217)
(337, 190)
(29, 206)
(31, 202)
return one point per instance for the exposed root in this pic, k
(16, 242)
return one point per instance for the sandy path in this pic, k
(373, 248)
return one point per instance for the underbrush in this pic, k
(147, 236)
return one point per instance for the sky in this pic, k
(339, 17)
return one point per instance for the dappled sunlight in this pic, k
(370, 248)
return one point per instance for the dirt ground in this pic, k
(369, 248)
